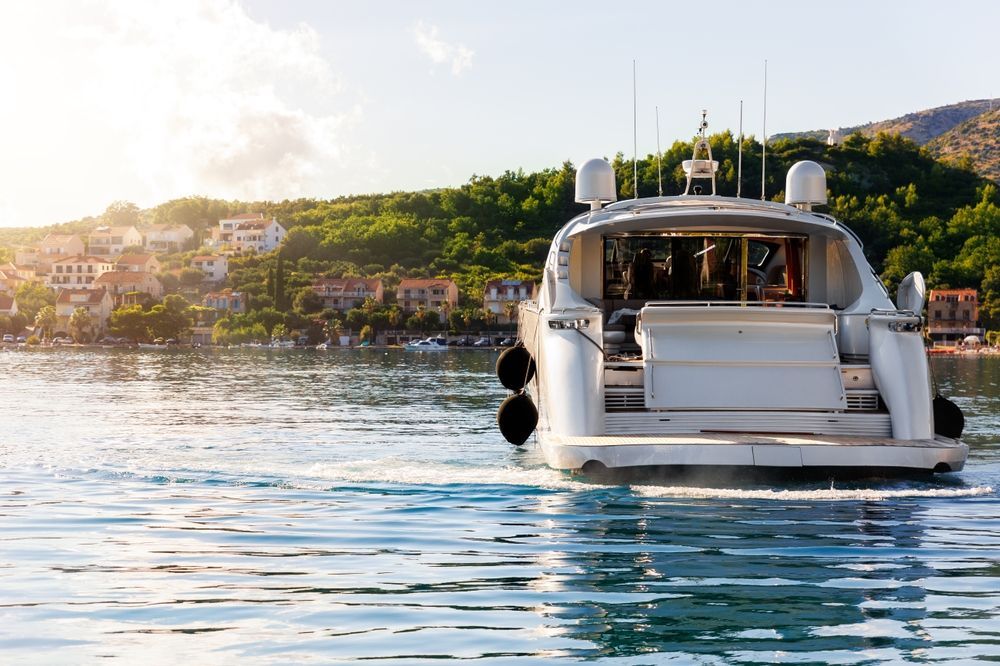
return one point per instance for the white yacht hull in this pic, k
(706, 331)
(735, 449)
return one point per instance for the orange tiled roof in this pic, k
(134, 259)
(83, 259)
(421, 283)
(123, 277)
(94, 296)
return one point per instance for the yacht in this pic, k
(430, 344)
(701, 330)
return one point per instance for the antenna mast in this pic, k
(635, 144)
(659, 172)
(739, 159)
(763, 153)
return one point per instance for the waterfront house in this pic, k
(346, 293)
(953, 314)
(111, 241)
(227, 300)
(167, 237)
(138, 263)
(214, 266)
(500, 292)
(98, 303)
(121, 285)
(438, 295)
(258, 236)
(77, 271)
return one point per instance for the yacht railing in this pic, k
(739, 304)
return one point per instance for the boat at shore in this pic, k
(703, 331)
(428, 344)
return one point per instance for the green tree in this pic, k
(121, 214)
(280, 296)
(32, 297)
(81, 325)
(45, 319)
(307, 301)
(129, 322)
(191, 277)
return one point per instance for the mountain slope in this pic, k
(978, 138)
(967, 129)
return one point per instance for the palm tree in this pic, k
(80, 324)
(395, 317)
(510, 311)
(489, 317)
(46, 320)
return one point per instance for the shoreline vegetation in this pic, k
(912, 211)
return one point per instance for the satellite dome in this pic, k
(805, 185)
(595, 183)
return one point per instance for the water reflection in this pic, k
(344, 506)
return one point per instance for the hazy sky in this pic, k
(254, 99)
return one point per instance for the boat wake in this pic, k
(406, 472)
(829, 494)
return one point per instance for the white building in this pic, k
(500, 292)
(78, 271)
(111, 241)
(223, 235)
(122, 283)
(96, 301)
(167, 237)
(138, 263)
(214, 266)
(258, 235)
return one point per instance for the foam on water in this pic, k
(407, 472)
(830, 494)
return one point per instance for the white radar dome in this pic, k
(595, 183)
(805, 185)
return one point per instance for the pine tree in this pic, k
(280, 298)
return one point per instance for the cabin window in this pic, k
(705, 267)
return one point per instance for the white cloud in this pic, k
(147, 100)
(440, 52)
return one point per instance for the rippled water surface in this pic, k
(297, 506)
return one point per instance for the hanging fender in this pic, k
(949, 421)
(515, 367)
(517, 418)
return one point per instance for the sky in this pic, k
(145, 101)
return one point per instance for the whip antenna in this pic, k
(739, 159)
(763, 153)
(659, 172)
(635, 144)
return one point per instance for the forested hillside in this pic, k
(966, 132)
(912, 211)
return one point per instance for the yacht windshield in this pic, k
(710, 267)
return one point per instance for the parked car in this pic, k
(482, 342)
(8, 337)
(507, 342)
(21, 338)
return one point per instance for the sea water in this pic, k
(287, 506)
